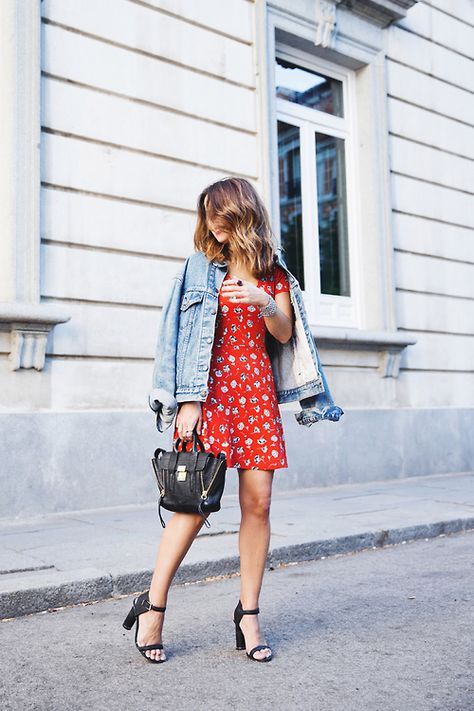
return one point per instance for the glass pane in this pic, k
(332, 215)
(289, 167)
(302, 86)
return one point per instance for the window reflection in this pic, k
(289, 167)
(302, 86)
(332, 215)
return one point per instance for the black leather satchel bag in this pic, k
(189, 482)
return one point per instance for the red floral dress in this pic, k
(241, 416)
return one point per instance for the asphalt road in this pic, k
(387, 629)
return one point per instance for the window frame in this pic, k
(322, 309)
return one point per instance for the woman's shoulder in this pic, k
(280, 278)
(278, 270)
(199, 257)
(196, 256)
(197, 260)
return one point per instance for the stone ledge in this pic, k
(29, 325)
(390, 344)
(379, 12)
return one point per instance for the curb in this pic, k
(108, 585)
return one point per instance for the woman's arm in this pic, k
(280, 324)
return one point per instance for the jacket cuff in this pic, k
(164, 404)
(308, 416)
(159, 397)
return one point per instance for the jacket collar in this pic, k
(224, 263)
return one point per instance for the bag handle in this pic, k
(184, 444)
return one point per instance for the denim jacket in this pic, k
(186, 335)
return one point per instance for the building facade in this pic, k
(353, 119)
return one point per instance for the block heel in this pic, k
(142, 604)
(240, 637)
(129, 621)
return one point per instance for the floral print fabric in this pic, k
(241, 416)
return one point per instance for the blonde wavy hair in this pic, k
(234, 205)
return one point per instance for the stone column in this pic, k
(20, 74)
(21, 312)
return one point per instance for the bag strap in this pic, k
(159, 513)
(197, 444)
(203, 514)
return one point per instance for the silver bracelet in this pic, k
(270, 307)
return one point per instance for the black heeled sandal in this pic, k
(142, 604)
(240, 637)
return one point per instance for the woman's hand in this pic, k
(280, 324)
(244, 292)
(189, 415)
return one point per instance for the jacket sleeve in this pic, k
(321, 406)
(162, 398)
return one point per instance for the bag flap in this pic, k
(192, 460)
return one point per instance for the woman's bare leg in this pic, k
(180, 532)
(255, 489)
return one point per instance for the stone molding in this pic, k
(379, 12)
(325, 21)
(29, 326)
(389, 344)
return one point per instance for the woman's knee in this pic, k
(257, 505)
(255, 491)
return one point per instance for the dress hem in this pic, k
(274, 468)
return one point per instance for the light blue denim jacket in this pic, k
(186, 335)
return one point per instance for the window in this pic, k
(314, 153)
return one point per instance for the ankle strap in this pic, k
(149, 606)
(250, 612)
(142, 604)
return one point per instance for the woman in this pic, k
(240, 414)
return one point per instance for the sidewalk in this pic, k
(74, 557)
